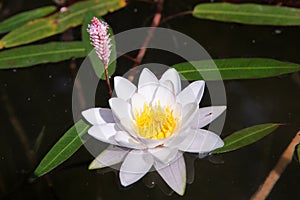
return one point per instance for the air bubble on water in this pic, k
(50, 76)
(28, 99)
(5, 84)
(66, 110)
(14, 70)
(53, 95)
(278, 31)
(135, 10)
(253, 41)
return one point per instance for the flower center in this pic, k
(155, 122)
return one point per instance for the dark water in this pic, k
(38, 99)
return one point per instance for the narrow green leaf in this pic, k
(235, 68)
(24, 17)
(39, 139)
(66, 146)
(43, 53)
(245, 137)
(248, 14)
(93, 57)
(58, 22)
(84, 34)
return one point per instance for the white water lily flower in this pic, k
(152, 125)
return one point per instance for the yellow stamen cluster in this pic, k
(155, 122)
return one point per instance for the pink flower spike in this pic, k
(100, 39)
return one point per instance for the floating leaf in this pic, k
(245, 137)
(66, 146)
(248, 14)
(58, 22)
(43, 53)
(93, 57)
(235, 68)
(24, 17)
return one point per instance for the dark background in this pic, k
(38, 100)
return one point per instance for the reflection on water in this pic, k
(37, 101)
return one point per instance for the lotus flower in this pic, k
(151, 125)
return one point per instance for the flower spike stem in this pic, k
(101, 41)
(107, 81)
(285, 159)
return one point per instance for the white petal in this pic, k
(169, 85)
(192, 93)
(136, 164)
(110, 156)
(138, 101)
(148, 84)
(151, 143)
(148, 90)
(125, 140)
(172, 75)
(211, 142)
(188, 109)
(128, 126)
(200, 141)
(206, 115)
(164, 154)
(147, 77)
(188, 114)
(164, 96)
(177, 110)
(174, 174)
(97, 116)
(120, 108)
(104, 132)
(124, 88)
(176, 139)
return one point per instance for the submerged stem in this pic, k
(274, 175)
(155, 23)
